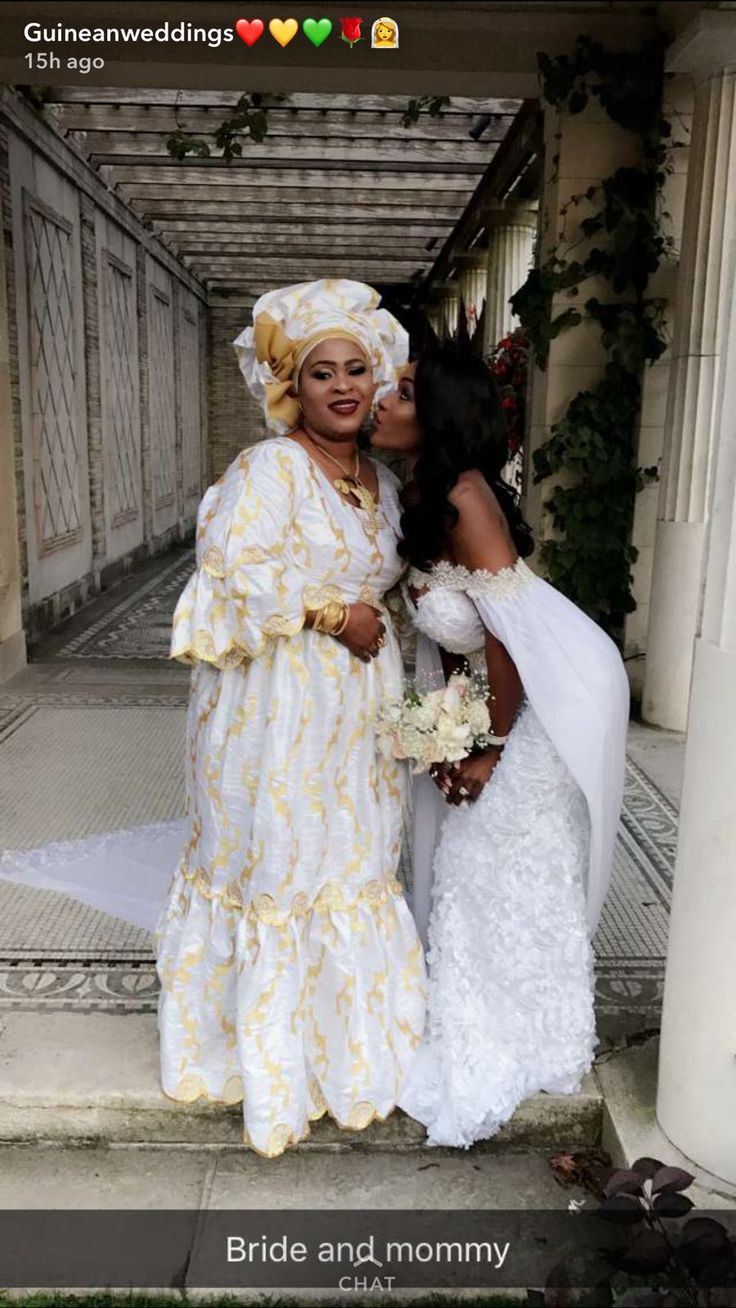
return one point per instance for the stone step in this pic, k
(90, 1077)
(199, 1180)
(71, 1176)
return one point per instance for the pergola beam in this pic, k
(116, 97)
(406, 202)
(338, 184)
(96, 121)
(321, 152)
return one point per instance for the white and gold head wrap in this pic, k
(289, 322)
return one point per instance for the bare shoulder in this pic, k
(471, 494)
(480, 538)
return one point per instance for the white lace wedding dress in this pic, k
(519, 876)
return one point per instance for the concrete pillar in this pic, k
(12, 638)
(473, 269)
(579, 151)
(449, 310)
(678, 96)
(708, 52)
(697, 1070)
(512, 232)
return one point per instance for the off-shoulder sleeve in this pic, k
(246, 588)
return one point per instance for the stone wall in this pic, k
(104, 361)
(235, 418)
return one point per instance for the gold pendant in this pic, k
(347, 486)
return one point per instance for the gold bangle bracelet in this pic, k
(339, 630)
(331, 618)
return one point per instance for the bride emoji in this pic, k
(385, 34)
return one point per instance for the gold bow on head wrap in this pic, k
(289, 322)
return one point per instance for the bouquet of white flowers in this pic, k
(438, 726)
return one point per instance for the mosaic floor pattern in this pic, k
(139, 626)
(88, 747)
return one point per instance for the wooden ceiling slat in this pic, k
(226, 228)
(279, 151)
(322, 244)
(115, 96)
(318, 178)
(313, 172)
(154, 198)
(315, 238)
(97, 120)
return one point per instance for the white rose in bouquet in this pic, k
(477, 717)
(422, 716)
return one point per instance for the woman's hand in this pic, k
(463, 782)
(365, 633)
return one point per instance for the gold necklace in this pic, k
(350, 482)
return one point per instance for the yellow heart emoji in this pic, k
(283, 31)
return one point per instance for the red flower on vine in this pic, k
(351, 30)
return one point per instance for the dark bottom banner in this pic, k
(345, 1250)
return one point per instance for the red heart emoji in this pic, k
(249, 32)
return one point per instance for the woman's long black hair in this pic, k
(463, 427)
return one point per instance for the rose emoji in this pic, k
(351, 30)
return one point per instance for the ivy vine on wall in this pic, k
(591, 451)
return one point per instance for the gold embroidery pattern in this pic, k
(263, 907)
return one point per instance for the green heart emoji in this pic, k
(317, 31)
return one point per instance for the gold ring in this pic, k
(381, 642)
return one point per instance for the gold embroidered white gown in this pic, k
(291, 972)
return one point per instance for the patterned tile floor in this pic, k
(91, 739)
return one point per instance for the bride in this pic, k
(524, 831)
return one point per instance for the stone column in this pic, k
(677, 104)
(512, 232)
(579, 151)
(473, 269)
(12, 638)
(449, 311)
(697, 1070)
(707, 50)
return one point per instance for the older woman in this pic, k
(291, 971)
(292, 976)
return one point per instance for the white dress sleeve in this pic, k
(246, 589)
(574, 678)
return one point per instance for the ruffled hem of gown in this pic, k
(294, 1139)
(450, 1122)
(296, 1011)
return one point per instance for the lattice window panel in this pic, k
(120, 390)
(161, 383)
(190, 414)
(58, 450)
